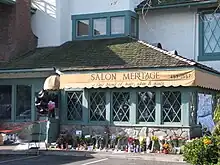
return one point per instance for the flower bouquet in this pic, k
(155, 144)
(175, 142)
(166, 148)
(181, 142)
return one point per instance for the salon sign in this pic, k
(138, 78)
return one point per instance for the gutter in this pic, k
(178, 5)
(26, 70)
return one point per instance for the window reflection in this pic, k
(5, 102)
(82, 27)
(99, 26)
(23, 102)
(117, 25)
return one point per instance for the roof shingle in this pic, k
(117, 52)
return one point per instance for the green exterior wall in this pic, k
(36, 84)
(185, 113)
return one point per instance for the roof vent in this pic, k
(173, 52)
(158, 45)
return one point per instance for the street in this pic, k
(70, 160)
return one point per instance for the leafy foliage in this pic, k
(202, 151)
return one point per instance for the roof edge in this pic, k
(26, 70)
(178, 57)
(177, 5)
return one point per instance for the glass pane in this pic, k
(97, 106)
(23, 102)
(146, 106)
(99, 26)
(133, 27)
(5, 102)
(74, 105)
(211, 33)
(171, 106)
(82, 28)
(121, 106)
(117, 25)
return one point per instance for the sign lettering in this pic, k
(140, 78)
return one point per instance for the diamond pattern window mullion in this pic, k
(121, 106)
(146, 107)
(211, 33)
(171, 106)
(74, 105)
(97, 106)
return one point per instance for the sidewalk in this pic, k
(9, 150)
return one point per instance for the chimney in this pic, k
(16, 36)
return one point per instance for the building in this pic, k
(111, 76)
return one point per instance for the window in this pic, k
(211, 33)
(82, 28)
(121, 106)
(5, 102)
(99, 26)
(74, 106)
(146, 106)
(171, 106)
(210, 37)
(117, 25)
(133, 27)
(97, 107)
(104, 25)
(23, 102)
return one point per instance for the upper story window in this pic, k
(104, 25)
(82, 27)
(117, 25)
(99, 26)
(209, 36)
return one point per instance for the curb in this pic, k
(152, 157)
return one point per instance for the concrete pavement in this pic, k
(71, 160)
(6, 150)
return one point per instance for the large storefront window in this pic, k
(5, 102)
(121, 106)
(146, 105)
(74, 105)
(23, 102)
(97, 106)
(171, 106)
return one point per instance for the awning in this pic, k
(141, 78)
(52, 83)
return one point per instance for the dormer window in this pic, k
(117, 25)
(99, 26)
(82, 27)
(133, 27)
(104, 25)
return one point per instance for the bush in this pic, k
(202, 151)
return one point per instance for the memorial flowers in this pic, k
(166, 147)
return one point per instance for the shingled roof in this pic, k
(171, 3)
(103, 53)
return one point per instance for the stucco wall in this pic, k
(175, 29)
(52, 22)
